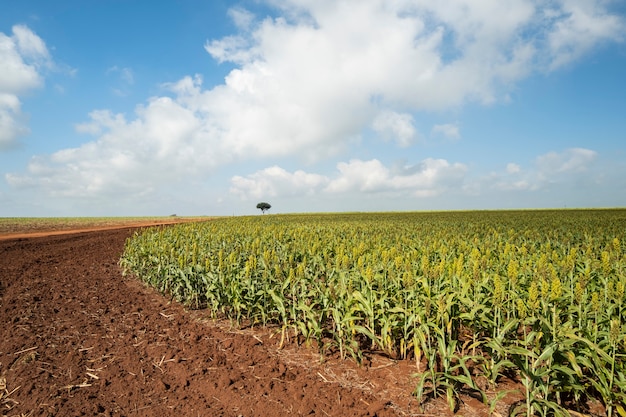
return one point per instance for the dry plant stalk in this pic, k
(6, 402)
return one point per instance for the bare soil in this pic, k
(43, 227)
(79, 339)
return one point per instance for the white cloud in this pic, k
(276, 181)
(449, 131)
(569, 161)
(578, 26)
(163, 144)
(31, 46)
(428, 178)
(12, 125)
(563, 167)
(357, 175)
(395, 126)
(241, 17)
(22, 55)
(309, 81)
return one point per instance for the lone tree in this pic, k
(263, 207)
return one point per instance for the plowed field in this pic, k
(77, 338)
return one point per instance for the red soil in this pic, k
(77, 338)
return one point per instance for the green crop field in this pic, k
(471, 297)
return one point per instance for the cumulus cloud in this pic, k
(311, 78)
(428, 178)
(276, 181)
(23, 55)
(163, 144)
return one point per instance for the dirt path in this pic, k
(76, 338)
(61, 229)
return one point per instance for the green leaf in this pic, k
(518, 350)
(545, 355)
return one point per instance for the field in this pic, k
(344, 314)
(473, 298)
(78, 338)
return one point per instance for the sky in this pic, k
(207, 107)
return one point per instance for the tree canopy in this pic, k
(263, 207)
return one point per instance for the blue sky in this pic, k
(135, 107)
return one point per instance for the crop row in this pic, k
(472, 297)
